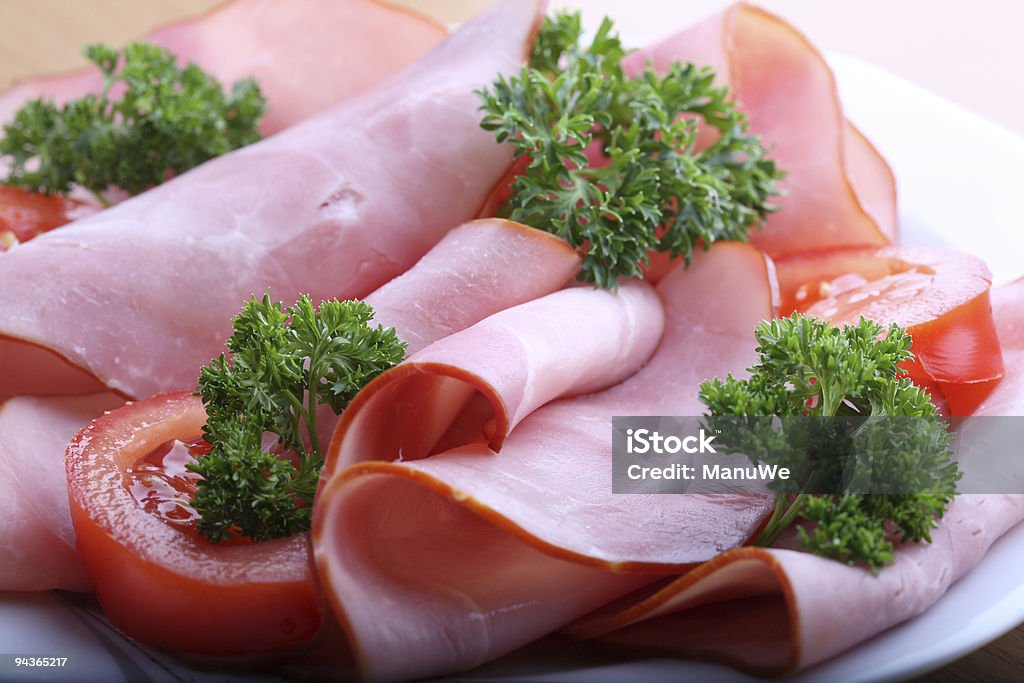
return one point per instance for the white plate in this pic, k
(959, 179)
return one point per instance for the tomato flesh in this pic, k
(24, 214)
(158, 580)
(941, 296)
(162, 484)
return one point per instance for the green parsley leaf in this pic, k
(151, 120)
(285, 364)
(888, 441)
(655, 192)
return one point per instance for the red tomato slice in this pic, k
(941, 296)
(160, 582)
(24, 214)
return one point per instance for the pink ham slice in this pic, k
(307, 55)
(439, 564)
(477, 269)
(571, 342)
(142, 294)
(37, 540)
(774, 611)
(840, 191)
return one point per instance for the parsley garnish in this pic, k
(656, 191)
(164, 122)
(889, 437)
(285, 364)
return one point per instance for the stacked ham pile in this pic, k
(465, 507)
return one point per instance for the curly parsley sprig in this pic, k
(166, 120)
(882, 471)
(656, 192)
(285, 364)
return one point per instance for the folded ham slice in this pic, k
(307, 55)
(840, 192)
(439, 564)
(37, 541)
(773, 611)
(477, 269)
(141, 295)
(571, 342)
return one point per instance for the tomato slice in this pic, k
(24, 214)
(941, 296)
(158, 580)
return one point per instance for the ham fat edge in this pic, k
(504, 547)
(306, 55)
(141, 295)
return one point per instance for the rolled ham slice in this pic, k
(141, 295)
(570, 342)
(307, 55)
(773, 611)
(840, 192)
(439, 564)
(37, 541)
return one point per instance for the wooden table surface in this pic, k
(43, 36)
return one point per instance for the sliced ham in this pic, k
(37, 550)
(570, 342)
(438, 564)
(307, 55)
(840, 192)
(773, 611)
(477, 269)
(141, 295)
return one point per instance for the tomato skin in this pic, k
(26, 214)
(940, 296)
(166, 587)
